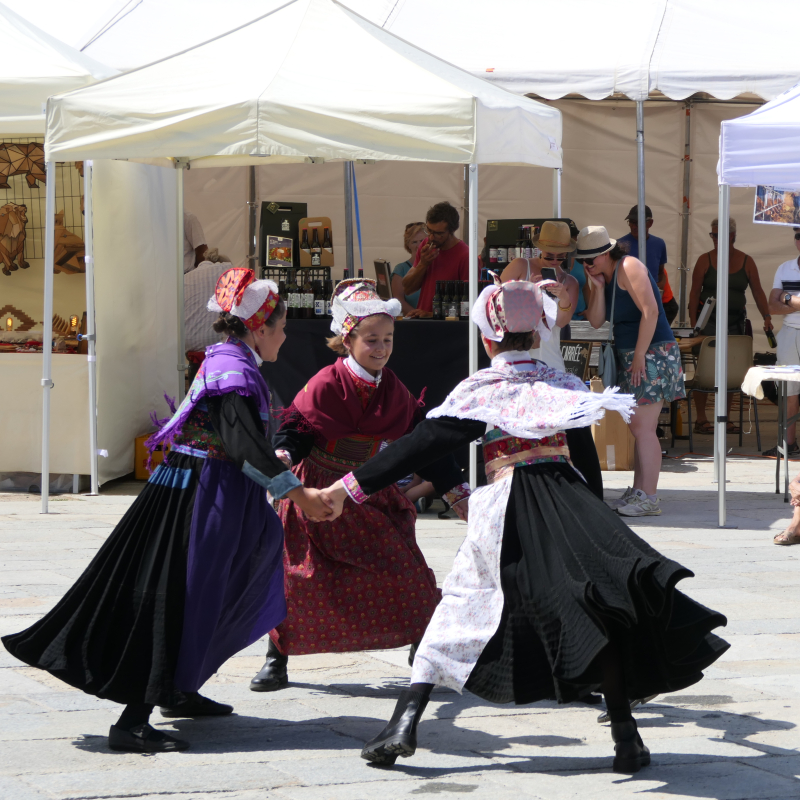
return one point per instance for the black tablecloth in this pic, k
(427, 355)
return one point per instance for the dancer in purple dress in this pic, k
(193, 572)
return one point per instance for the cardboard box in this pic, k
(325, 254)
(141, 456)
(612, 438)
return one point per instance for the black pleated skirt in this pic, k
(575, 578)
(116, 633)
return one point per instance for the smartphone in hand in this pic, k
(549, 274)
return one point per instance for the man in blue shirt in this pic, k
(656, 257)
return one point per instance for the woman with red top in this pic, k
(360, 583)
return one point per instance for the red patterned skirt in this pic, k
(358, 583)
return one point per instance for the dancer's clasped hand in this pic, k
(335, 494)
(313, 503)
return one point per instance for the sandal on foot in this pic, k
(794, 450)
(703, 427)
(730, 428)
(786, 538)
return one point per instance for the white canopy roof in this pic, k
(763, 148)
(634, 47)
(311, 79)
(35, 66)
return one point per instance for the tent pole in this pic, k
(557, 192)
(474, 249)
(721, 405)
(683, 270)
(640, 180)
(91, 335)
(180, 165)
(348, 218)
(465, 217)
(252, 222)
(47, 334)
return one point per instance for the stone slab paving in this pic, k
(734, 736)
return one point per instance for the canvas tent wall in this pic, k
(226, 102)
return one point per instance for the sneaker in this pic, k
(620, 501)
(639, 505)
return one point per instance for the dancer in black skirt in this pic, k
(551, 595)
(192, 573)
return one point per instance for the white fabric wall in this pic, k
(135, 282)
(598, 188)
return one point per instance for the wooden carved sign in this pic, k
(13, 219)
(22, 159)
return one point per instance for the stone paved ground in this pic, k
(732, 736)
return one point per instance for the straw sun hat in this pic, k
(554, 237)
(594, 241)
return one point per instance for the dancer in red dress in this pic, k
(361, 583)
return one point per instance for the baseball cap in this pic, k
(633, 214)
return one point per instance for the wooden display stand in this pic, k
(141, 455)
(612, 438)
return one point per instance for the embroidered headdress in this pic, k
(239, 293)
(514, 307)
(356, 299)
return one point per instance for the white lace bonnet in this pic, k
(515, 307)
(356, 299)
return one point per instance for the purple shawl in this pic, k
(228, 367)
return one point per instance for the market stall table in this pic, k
(752, 386)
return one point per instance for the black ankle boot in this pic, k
(630, 752)
(399, 737)
(273, 674)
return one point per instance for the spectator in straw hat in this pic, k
(647, 354)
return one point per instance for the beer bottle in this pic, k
(464, 300)
(316, 250)
(437, 301)
(327, 243)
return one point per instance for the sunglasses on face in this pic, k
(797, 237)
(589, 262)
(551, 257)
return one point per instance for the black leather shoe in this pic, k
(273, 674)
(399, 737)
(195, 705)
(630, 752)
(143, 739)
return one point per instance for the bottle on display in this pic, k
(346, 274)
(308, 297)
(327, 242)
(502, 255)
(304, 245)
(464, 300)
(316, 249)
(437, 301)
(528, 243)
(361, 273)
(454, 301)
(291, 296)
(445, 299)
(328, 298)
(319, 300)
(282, 290)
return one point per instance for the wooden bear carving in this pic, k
(13, 219)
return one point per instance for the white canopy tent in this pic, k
(637, 48)
(36, 66)
(331, 86)
(762, 148)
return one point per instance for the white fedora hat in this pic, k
(594, 241)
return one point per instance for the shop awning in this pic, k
(634, 47)
(311, 80)
(763, 148)
(36, 65)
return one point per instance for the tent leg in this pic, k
(47, 334)
(348, 218)
(557, 192)
(474, 249)
(465, 216)
(252, 220)
(181, 364)
(683, 270)
(90, 323)
(721, 409)
(640, 180)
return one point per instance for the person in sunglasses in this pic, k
(743, 273)
(647, 353)
(440, 257)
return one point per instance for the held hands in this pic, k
(637, 370)
(335, 496)
(313, 503)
